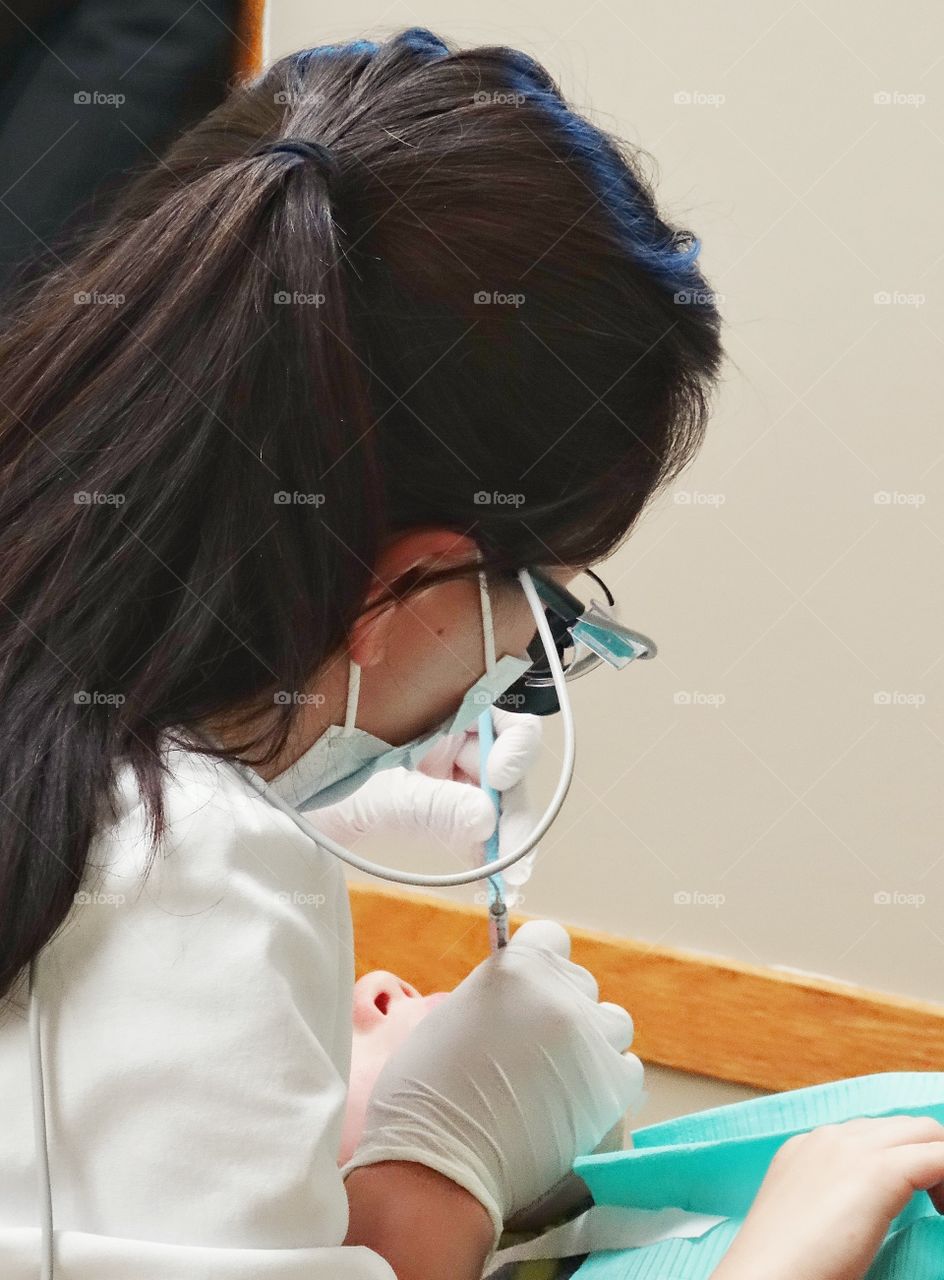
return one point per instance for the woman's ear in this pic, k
(430, 549)
(367, 644)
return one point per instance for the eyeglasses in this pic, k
(584, 636)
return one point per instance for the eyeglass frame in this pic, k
(610, 642)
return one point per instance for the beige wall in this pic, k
(806, 609)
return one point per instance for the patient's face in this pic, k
(386, 1010)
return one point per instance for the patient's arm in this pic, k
(387, 1200)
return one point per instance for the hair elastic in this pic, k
(323, 156)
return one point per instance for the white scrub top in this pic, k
(196, 1037)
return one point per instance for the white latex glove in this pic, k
(442, 797)
(506, 1082)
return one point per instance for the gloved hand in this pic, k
(507, 1081)
(437, 798)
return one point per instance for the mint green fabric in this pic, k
(714, 1162)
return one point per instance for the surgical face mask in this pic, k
(344, 757)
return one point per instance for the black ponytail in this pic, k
(462, 312)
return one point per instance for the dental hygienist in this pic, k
(395, 325)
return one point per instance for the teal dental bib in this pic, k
(713, 1162)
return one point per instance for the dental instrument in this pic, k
(497, 907)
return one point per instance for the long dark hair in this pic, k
(215, 413)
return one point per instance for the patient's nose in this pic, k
(377, 993)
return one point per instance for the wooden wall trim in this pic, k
(249, 39)
(770, 1028)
